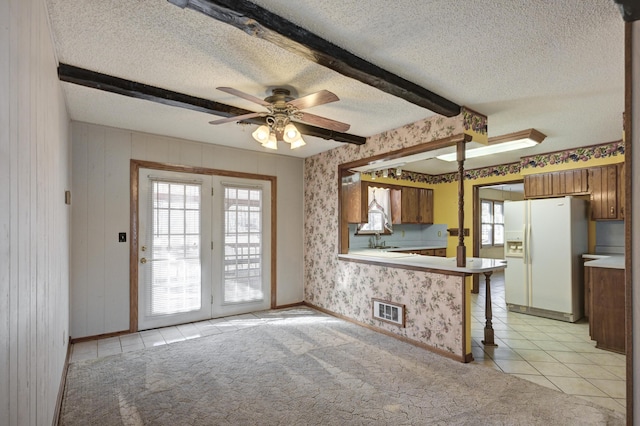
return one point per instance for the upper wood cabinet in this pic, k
(556, 184)
(607, 189)
(355, 202)
(570, 182)
(538, 185)
(417, 205)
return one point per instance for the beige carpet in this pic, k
(301, 367)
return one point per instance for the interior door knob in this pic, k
(143, 260)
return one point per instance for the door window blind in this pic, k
(175, 278)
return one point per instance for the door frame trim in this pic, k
(134, 169)
(477, 225)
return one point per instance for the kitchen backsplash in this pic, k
(404, 236)
(610, 237)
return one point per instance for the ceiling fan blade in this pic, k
(324, 122)
(238, 93)
(319, 98)
(238, 118)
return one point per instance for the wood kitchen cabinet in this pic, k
(607, 186)
(570, 182)
(408, 204)
(557, 184)
(417, 205)
(441, 252)
(606, 313)
(538, 186)
(355, 202)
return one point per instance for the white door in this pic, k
(241, 246)
(201, 247)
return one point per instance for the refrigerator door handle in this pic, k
(525, 249)
(528, 244)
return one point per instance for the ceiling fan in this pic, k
(282, 108)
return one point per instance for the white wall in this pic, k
(100, 265)
(34, 220)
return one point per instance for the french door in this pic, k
(202, 242)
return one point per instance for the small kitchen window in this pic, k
(379, 212)
(492, 223)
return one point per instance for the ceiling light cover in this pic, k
(298, 143)
(290, 133)
(261, 134)
(271, 143)
(504, 143)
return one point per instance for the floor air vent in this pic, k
(388, 312)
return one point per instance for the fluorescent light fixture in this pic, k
(504, 143)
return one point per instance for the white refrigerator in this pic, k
(544, 242)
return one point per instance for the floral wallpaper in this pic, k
(433, 301)
(611, 149)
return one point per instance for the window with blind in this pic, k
(492, 223)
(242, 244)
(175, 278)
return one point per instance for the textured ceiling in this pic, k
(554, 66)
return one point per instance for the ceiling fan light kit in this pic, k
(282, 108)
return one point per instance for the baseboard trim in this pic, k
(429, 348)
(63, 384)
(290, 305)
(99, 336)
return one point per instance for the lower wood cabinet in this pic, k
(607, 304)
(441, 252)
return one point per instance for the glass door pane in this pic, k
(242, 245)
(175, 278)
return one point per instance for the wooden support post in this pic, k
(488, 327)
(461, 250)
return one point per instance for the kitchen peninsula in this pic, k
(432, 293)
(435, 293)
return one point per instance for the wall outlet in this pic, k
(122, 237)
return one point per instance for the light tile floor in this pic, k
(555, 354)
(162, 336)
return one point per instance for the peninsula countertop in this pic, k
(612, 261)
(474, 265)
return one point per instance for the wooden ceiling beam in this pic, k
(259, 22)
(108, 83)
(630, 9)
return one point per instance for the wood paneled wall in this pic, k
(34, 219)
(100, 264)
